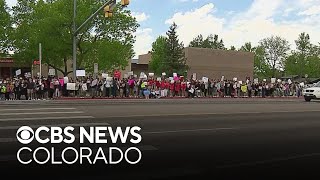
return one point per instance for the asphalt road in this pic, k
(217, 138)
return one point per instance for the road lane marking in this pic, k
(188, 130)
(254, 163)
(11, 157)
(46, 118)
(57, 125)
(31, 109)
(40, 113)
(197, 114)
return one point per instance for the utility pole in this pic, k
(74, 39)
(40, 60)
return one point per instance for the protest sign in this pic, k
(256, 80)
(52, 72)
(84, 87)
(159, 79)
(194, 76)
(81, 73)
(273, 80)
(71, 86)
(66, 80)
(130, 73)
(175, 75)
(18, 72)
(151, 74)
(104, 75)
(289, 81)
(164, 74)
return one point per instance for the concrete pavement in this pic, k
(226, 139)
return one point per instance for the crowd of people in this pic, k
(35, 88)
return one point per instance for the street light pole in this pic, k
(76, 30)
(74, 37)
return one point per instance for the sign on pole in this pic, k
(52, 72)
(96, 68)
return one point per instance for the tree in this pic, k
(305, 59)
(108, 42)
(232, 48)
(276, 49)
(159, 55)
(247, 47)
(5, 27)
(176, 54)
(211, 42)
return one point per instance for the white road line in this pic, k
(45, 118)
(56, 125)
(188, 130)
(11, 157)
(31, 109)
(40, 113)
(198, 114)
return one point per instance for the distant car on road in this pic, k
(312, 92)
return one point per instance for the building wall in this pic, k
(217, 63)
(144, 58)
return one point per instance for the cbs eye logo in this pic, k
(25, 134)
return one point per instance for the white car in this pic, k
(312, 92)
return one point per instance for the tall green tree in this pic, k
(5, 27)
(276, 49)
(108, 42)
(247, 47)
(159, 55)
(176, 55)
(212, 42)
(305, 59)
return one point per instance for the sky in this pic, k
(235, 21)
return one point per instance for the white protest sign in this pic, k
(18, 72)
(302, 84)
(235, 79)
(256, 80)
(151, 74)
(264, 80)
(273, 80)
(205, 79)
(159, 79)
(279, 80)
(130, 73)
(84, 87)
(164, 74)
(170, 78)
(289, 81)
(240, 82)
(175, 75)
(81, 73)
(71, 86)
(52, 72)
(109, 79)
(104, 75)
(66, 80)
(194, 76)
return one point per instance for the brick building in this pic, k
(209, 63)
